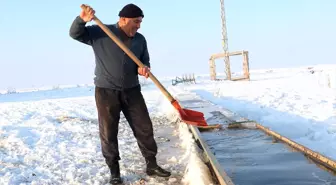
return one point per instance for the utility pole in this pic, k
(225, 42)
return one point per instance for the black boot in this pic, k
(158, 171)
(154, 169)
(115, 180)
(115, 174)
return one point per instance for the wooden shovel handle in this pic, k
(131, 55)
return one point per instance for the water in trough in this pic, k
(249, 156)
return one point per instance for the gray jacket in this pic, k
(114, 69)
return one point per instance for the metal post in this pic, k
(225, 42)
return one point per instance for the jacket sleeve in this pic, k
(145, 59)
(82, 33)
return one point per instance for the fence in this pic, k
(189, 78)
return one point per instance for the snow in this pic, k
(55, 141)
(196, 172)
(50, 136)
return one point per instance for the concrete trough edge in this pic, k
(317, 157)
(327, 163)
(220, 175)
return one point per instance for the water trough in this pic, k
(251, 156)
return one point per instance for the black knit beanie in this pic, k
(131, 11)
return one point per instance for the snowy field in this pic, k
(51, 136)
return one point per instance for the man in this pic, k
(117, 85)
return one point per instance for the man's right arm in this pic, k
(80, 32)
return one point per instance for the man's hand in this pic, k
(144, 71)
(87, 13)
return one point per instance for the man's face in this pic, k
(131, 25)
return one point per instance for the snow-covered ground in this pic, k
(51, 136)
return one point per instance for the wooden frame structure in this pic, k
(246, 70)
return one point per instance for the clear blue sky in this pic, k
(36, 49)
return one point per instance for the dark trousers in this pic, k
(109, 104)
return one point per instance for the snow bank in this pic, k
(196, 173)
(328, 78)
(332, 79)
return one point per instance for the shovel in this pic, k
(188, 116)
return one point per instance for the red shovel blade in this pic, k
(190, 116)
(193, 113)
